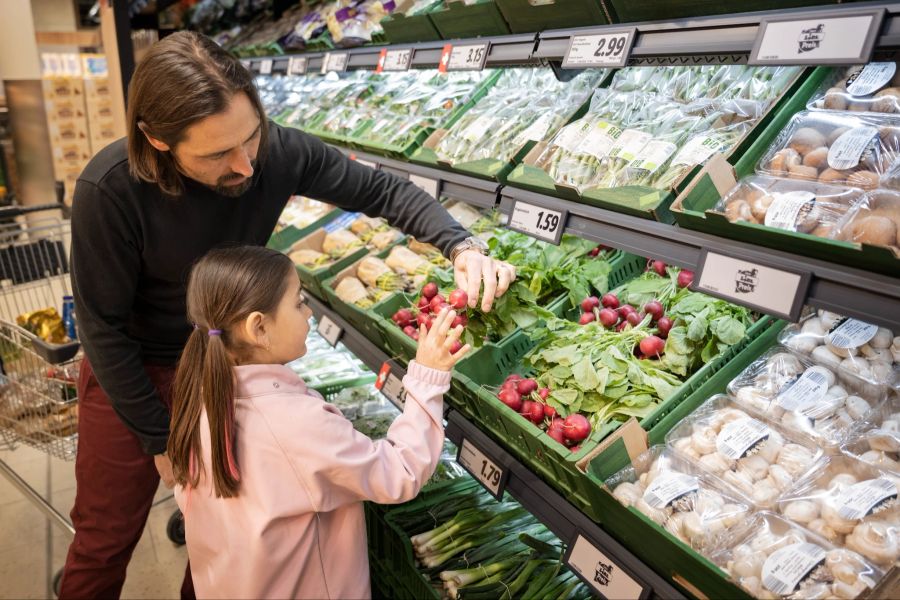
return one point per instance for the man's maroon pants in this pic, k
(116, 482)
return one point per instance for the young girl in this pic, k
(271, 479)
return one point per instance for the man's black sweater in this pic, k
(133, 246)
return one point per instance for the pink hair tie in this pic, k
(213, 332)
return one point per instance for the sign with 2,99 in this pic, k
(599, 50)
(538, 222)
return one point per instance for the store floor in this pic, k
(32, 549)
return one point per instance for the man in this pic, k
(201, 167)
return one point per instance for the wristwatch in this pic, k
(470, 243)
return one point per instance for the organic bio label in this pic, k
(669, 487)
(570, 136)
(846, 151)
(536, 131)
(786, 568)
(738, 437)
(630, 144)
(697, 150)
(653, 156)
(478, 128)
(599, 140)
(862, 499)
(803, 392)
(850, 333)
(871, 78)
(786, 207)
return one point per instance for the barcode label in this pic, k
(784, 569)
(669, 487)
(804, 392)
(739, 437)
(865, 498)
(851, 333)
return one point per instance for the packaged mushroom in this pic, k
(757, 460)
(789, 204)
(837, 148)
(778, 559)
(802, 397)
(875, 221)
(855, 350)
(874, 87)
(879, 444)
(678, 497)
(851, 504)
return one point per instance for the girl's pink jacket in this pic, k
(296, 528)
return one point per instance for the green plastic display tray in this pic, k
(461, 21)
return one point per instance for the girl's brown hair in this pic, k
(182, 79)
(224, 288)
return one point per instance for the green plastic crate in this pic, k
(313, 280)
(632, 11)
(527, 16)
(287, 237)
(401, 29)
(330, 389)
(462, 21)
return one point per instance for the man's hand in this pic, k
(471, 268)
(164, 466)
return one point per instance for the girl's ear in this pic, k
(254, 329)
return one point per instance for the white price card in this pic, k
(367, 163)
(395, 60)
(248, 64)
(297, 65)
(426, 184)
(816, 38)
(265, 66)
(491, 475)
(602, 573)
(335, 61)
(609, 49)
(767, 289)
(538, 222)
(329, 330)
(391, 385)
(468, 57)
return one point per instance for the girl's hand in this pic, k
(435, 343)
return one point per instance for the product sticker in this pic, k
(697, 150)
(570, 136)
(871, 78)
(669, 487)
(806, 390)
(478, 128)
(630, 144)
(342, 222)
(653, 156)
(851, 333)
(847, 150)
(600, 140)
(788, 208)
(866, 498)
(787, 567)
(738, 437)
(536, 131)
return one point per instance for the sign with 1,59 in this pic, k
(538, 222)
(610, 49)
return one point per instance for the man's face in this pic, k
(220, 151)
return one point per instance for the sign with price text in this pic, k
(538, 222)
(491, 475)
(610, 49)
(468, 57)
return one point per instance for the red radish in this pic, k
(509, 385)
(525, 410)
(537, 412)
(664, 325)
(544, 393)
(424, 319)
(557, 434)
(404, 317)
(511, 398)
(513, 377)
(526, 386)
(586, 318)
(654, 308)
(549, 411)
(594, 251)
(610, 301)
(556, 423)
(460, 320)
(608, 317)
(652, 345)
(430, 290)
(685, 278)
(590, 303)
(415, 335)
(575, 449)
(455, 347)
(633, 319)
(437, 302)
(409, 330)
(458, 299)
(576, 427)
(424, 304)
(659, 266)
(625, 309)
(621, 325)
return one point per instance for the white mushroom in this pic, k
(703, 440)
(780, 477)
(693, 527)
(732, 514)
(875, 540)
(836, 391)
(856, 366)
(770, 449)
(740, 480)
(895, 349)
(727, 415)
(887, 437)
(627, 493)
(764, 493)
(751, 396)
(826, 357)
(837, 350)
(675, 526)
(814, 591)
(841, 481)
(801, 511)
(880, 459)
(876, 354)
(845, 565)
(828, 319)
(844, 418)
(857, 407)
(813, 327)
(802, 343)
(795, 459)
(882, 339)
(750, 565)
(714, 462)
(796, 421)
(752, 584)
(756, 466)
(848, 591)
(835, 520)
(822, 528)
(882, 371)
(828, 374)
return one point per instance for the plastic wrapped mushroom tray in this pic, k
(874, 88)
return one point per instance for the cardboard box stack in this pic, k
(98, 101)
(67, 119)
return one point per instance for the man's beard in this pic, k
(233, 191)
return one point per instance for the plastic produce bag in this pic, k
(837, 148)
(879, 444)
(678, 497)
(852, 505)
(863, 88)
(876, 221)
(802, 397)
(757, 460)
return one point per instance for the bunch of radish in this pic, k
(685, 277)
(429, 305)
(524, 396)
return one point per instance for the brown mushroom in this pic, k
(739, 210)
(806, 139)
(803, 172)
(783, 160)
(866, 180)
(835, 99)
(887, 101)
(835, 134)
(833, 176)
(818, 158)
(878, 231)
(760, 206)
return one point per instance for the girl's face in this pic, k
(288, 327)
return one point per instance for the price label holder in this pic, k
(607, 49)
(542, 223)
(426, 184)
(465, 57)
(335, 61)
(391, 385)
(265, 66)
(483, 468)
(367, 163)
(394, 60)
(297, 65)
(329, 330)
(248, 64)
(774, 291)
(817, 38)
(605, 575)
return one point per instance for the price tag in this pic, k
(329, 330)
(367, 163)
(248, 64)
(538, 222)
(297, 65)
(335, 61)
(265, 66)
(394, 60)
(391, 385)
(470, 57)
(426, 184)
(602, 573)
(486, 471)
(844, 38)
(609, 49)
(773, 291)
